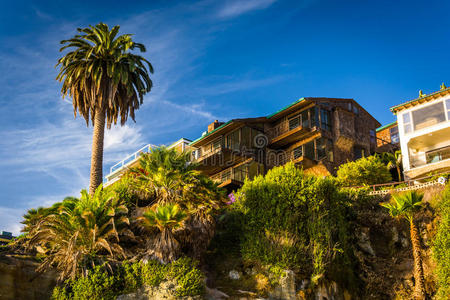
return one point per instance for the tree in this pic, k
(168, 177)
(393, 160)
(81, 234)
(364, 171)
(404, 206)
(166, 218)
(105, 80)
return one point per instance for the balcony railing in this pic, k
(130, 159)
(286, 126)
(279, 158)
(430, 157)
(237, 173)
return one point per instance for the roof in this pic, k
(386, 126)
(180, 140)
(211, 132)
(265, 119)
(286, 107)
(424, 98)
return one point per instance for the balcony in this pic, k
(429, 161)
(289, 131)
(115, 171)
(235, 176)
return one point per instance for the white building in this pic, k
(118, 169)
(424, 128)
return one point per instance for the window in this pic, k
(217, 144)
(321, 148)
(298, 152)
(355, 109)
(393, 132)
(304, 119)
(407, 122)
(294, 122)
(372, 136)
(358, 152)
(428, 116)
(309, 150)
(233, 140)
(447, 103)
(325, 119)
(246, 137)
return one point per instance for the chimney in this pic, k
(214, 125)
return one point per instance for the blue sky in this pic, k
(212, 60)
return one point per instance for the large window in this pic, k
(407, 122)
(325, 119)
(428, 116)
(373, 137)
(309, 150)
(232, 141)
(294, 122)
(447, 103)
(393, 132)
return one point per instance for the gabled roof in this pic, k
(386, 126)
(221, 128)
(425, 98)
(291, 107)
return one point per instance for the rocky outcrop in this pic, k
(18, 280)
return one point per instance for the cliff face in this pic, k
(384, 253)
(18, 280)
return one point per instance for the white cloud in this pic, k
(236, 8)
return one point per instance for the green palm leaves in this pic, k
(100, 73)
(164, 217)
(80, 234)
(404, 205)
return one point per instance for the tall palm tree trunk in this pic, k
(419, 287)
(399, 173)
(97, 150)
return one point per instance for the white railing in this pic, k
(126, 161)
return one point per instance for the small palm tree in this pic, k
(166, 218)
(105, 80)
(170, 177)
(404, 206)
(81, 234)
(393, 160)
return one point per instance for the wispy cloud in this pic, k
(236, 8)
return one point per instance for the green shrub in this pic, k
(100, 285)
(441, 246)
(296, 221)
(153, 273)
(190, 280)
(364, 171)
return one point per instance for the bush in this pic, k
(99, 284)
(296, 221)
(364, 171)
(190, 280)
(441, 246)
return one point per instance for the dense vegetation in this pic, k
(295, 221)
(441, 247)
(161, 211)
(364, 171)
(99, 284)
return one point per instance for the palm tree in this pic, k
(393, 160)
(404, 206)
(169, 177)
(105, 80)
(81, 234)
(166, 218)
